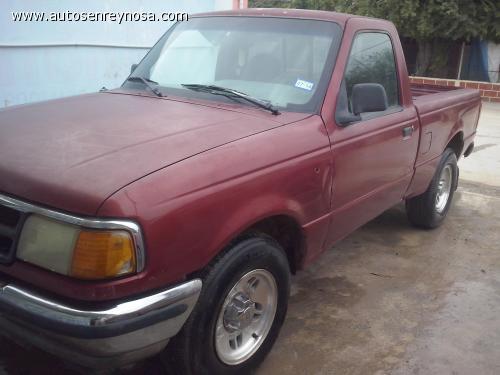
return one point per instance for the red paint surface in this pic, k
(488, 91)
(197, 174)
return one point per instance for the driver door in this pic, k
(373, 157)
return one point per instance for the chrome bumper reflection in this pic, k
(118, 334)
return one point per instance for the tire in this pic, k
(429, 209)
(195, 350)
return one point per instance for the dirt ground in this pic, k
(389, 299)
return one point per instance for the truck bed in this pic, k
(418, 90)
(444, 112)
(427, 98)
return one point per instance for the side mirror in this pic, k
(368, 97)
(132, 68)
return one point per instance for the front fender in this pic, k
(193, 209)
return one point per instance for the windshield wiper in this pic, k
(146, 82)
(218, 90)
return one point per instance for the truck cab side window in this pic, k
(371, 60)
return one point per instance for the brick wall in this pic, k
(490, 92)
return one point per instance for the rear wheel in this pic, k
(429, 209)
(239, 313)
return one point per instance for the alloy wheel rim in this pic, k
(246, 317)
(444, 189)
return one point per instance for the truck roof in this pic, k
(340, 18)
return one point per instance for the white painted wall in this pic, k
(45, 60)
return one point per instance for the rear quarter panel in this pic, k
(442, 116)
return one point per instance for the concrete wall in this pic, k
(45, 60)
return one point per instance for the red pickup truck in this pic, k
(174, 209)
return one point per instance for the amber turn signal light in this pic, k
(103, 255)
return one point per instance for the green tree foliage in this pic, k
(271, 4)
(428, 19)
(432, 23)
(417, 19)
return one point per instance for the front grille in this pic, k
(10, 225)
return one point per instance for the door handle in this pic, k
(407, 131)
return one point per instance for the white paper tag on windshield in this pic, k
(306, 85)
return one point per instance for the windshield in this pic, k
(286, 62)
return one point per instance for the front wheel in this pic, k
(239, 313)
(429, 209)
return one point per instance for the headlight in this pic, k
(74, 251)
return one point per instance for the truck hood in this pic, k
(73, 153)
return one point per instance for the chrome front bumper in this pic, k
(115, 336)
